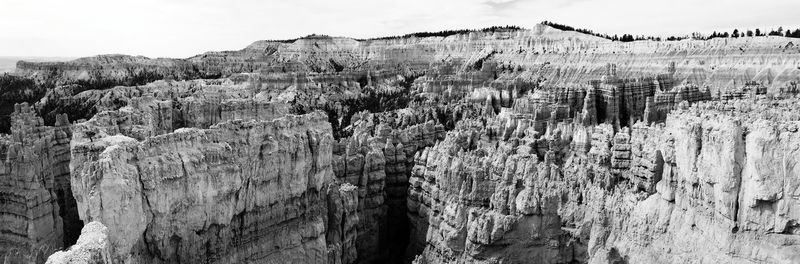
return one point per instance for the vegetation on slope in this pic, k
(14, 90)
(446, 33)
(699, 36)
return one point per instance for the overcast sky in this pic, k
(182, 28)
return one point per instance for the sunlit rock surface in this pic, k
(92, 247)
(698, 188)
(38, 212)
(497, 146)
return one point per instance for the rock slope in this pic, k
(493, 146)
(238, 191)
(92, 247)
(706, 186)
(38, 212)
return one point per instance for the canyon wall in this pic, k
(38, 212)
(237, 191)
(91, 248)
(711, 185)
(484, 147)
(541, 53)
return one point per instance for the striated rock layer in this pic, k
(544, 53)
(708, 186)
(37, 209)
(239, 191)
(492, 146)
(376, 159)
(92, 247)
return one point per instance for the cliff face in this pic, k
(377, 159)
(107, 70)
(91, 248)
(237, 191)
(484, 147)
(696, 187)
(128, 114)
(544, 53)
(484, 202)
(38, 211)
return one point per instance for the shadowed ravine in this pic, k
(503, 145)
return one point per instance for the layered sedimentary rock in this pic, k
(91, 248)
(38, 210)
(376, 160)
(106, 70)
(343, 220)
(161, 108)
(549, 54)
(214, 145)
(485, 202)
(237, 191)
(707, 186)
(496, 146)
(705, 196)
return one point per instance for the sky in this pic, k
(183, 28)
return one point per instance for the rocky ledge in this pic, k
(493, 146)
(712, 184)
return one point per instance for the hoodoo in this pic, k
(502, 145)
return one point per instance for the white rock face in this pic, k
(720, 196)
(499, 146)
(92, 247)
(238, 191)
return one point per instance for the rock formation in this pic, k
(38, 211)
(92, 247)
(493, 146)
(694, 187)
(237, 191)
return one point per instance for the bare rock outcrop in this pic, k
(38, 212)
(238, 191)
(375, 160)
(560, 58)
(343, 220)
(706, 186)
(487, 202)
(490, 146)
(92, 247)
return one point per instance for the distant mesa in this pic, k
(551, 144)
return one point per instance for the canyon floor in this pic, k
(502, 145)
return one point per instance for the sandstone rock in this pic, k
(161, 197)
(342, 226)
(38, 212)
(505, 146)
(680, 187)
(92, 247)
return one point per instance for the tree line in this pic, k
(13, 90)
(757, 33)
(699, 36)
(446, 33)
(624, 38)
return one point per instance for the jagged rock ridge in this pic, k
(483, 147)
